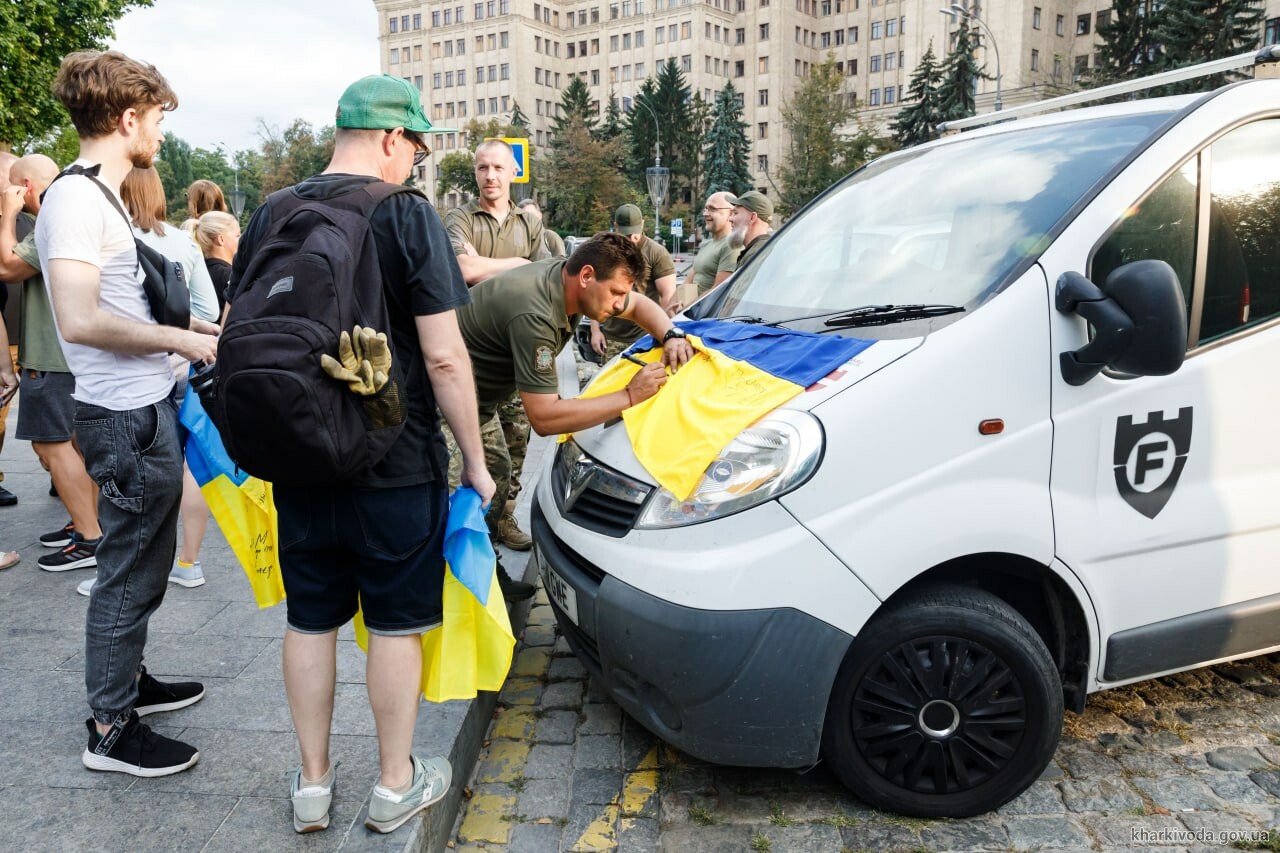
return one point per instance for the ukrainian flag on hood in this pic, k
(739, 373)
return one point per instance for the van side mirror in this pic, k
(1139, 320)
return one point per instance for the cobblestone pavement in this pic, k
(1187, 762)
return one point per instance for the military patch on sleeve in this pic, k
(543, 360)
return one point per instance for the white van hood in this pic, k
(608, 443)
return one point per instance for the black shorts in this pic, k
(46, 409)
(381, 549)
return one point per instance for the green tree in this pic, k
(293, 155)
(691, 162)
(518, 118)
(819, 152)
(1127, 46)
(575, 103)
(61, 144)
(918, 119)
(35, 35)
(612, 126)
(960, 73)
(174, 166)
(725, 147)
(665, 99)
(457, 172)
(1191, 31)
(582, 187)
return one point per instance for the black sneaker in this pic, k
(79, 554)
(59, 538)
(7, 498)
(156, 696)
(134, 749)
(513, 590)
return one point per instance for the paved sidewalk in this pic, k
(236, 798)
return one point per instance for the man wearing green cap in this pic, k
(751, 214)
(377, 542)
(616, 334)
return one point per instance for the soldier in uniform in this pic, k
(751, 230)
(553, 241)
(616, 334)
(490, 235)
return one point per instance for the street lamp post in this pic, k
(959, 11)
(237, 197)
(657, 176)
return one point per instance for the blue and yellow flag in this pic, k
(739, 373)
(241, 505)
(471, 649)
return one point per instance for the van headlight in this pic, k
(768, 459)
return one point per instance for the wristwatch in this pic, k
(673, 332)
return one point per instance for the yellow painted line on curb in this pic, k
(637, 789)
(486, 819)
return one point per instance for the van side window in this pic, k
(1162, 227)
(1242, 278)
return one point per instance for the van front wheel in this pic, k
(947, 705)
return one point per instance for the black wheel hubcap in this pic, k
(938, 715)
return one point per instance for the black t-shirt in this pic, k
(420, 276)
(220, 274)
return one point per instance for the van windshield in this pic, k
(943, 226)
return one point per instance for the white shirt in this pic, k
(177, 245)
(77, 223)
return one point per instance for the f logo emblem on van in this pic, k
(1149, 458)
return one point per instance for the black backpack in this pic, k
(313, 275)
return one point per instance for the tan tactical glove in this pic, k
(364, 361)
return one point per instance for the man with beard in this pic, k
(658, 283)
(716, 259)
(519, 320)
(751, 214)
(125, 423)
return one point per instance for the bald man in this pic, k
(8, 378)
(45, 418)
(716, 259)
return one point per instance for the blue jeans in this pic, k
(135, 459)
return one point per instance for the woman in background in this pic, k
(218, 236)
(204, 196)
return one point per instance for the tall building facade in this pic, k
(476, 59)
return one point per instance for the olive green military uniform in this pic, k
(715, 256)
(621, 333)
(514, 327)
(518, 235)
(554, 243)
(753, 248)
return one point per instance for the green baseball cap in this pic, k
(757, 202)
(383, 102)
(628, 220)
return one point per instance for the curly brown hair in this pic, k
(606, 252)
(97, 87)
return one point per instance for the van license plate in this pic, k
(559, 591)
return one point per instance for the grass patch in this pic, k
(517, 784)
(779, 818)
(760, 843)
(515, 818)
(702, 816)
(1270, 842)
(1136, 811)
(840, 821)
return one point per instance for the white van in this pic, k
(1056, 470)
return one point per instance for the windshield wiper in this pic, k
(742, 318)
(883, 315)
(873, 315)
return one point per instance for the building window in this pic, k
(853, 67)
(572, 47)
(888, 94)
(875, 29)
(686, 63)
(1060, 25)
(1271, 35)
(462, 46)
(613, 42)
(435, 18)
(640, 70)
(479, 44)
(503, 41)
(417, 53)
(739, 68)
(595, 46)
(1082, 25)
(395, 56)
(660, 35)
(448, 48)
(448, 79)
(435, 80)
(762, 97)
(505, 68)
(448, 17)
(890, 61)
(891, 28)
(1057, 66)
(853, 35)
(1035, 59)
(873, 97)
(686, 30)
(673, 32)
(762, 65)
(762, 130)
(393, 24)
(762, 162)
(404, 23)
(1035, 18)
(478, 12)
(639, 38)
(875, 64)
(626, 41)
(1103, 19)
(826, 40)
(595, 76)
(764, 32)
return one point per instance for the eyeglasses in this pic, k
(422, 150)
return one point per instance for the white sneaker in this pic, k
(86, 587)
(188, 576)
(389, 810)
(311, 803)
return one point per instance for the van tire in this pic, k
(893, 737)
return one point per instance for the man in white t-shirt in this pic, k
(125, 422)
